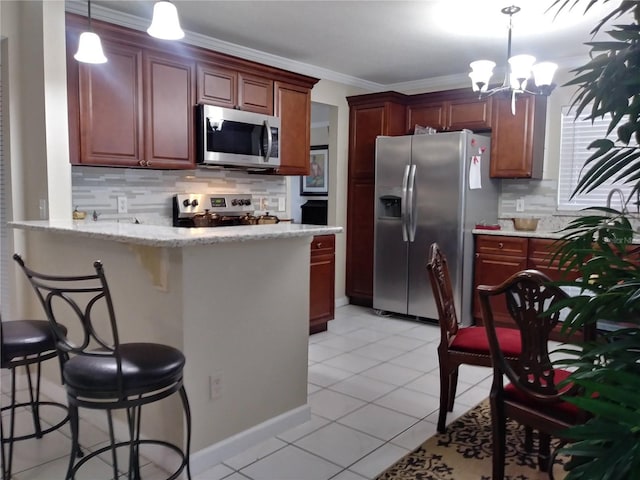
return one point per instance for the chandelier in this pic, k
(517, 74)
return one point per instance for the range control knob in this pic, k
(186, 202)
(247, 202)
(234, 202)
(194, 203)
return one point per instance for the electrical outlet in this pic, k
(264, 203)
(215, 385)
(520, 205)
(122, 204)
(43, 209)
(282, 204)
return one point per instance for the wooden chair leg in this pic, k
(528, 438)
(445, 388)
(453, 387)
(544, 451)
(498, 423)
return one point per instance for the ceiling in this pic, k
(373, 44)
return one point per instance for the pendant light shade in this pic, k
(90, 49)
(89, 45)
(165, 23)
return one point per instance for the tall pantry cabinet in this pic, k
(368, 118)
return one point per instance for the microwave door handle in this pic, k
(267, 154)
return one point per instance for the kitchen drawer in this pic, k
(502, 245)
(323, 244)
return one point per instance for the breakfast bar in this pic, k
(234, 300)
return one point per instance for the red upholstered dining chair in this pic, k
(459, 345)
(533, 397)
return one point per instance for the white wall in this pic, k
(334, 94)
(34, 119)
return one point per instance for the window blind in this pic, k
(576, 135)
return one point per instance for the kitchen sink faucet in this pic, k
(623, 203)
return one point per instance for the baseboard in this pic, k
(342, 301)
(238, 443)
(202, 459)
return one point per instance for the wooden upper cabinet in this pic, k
(108, 105)
(446, 111)
(255, 94)
(366, 123)
(228, 88)
(293, 106)
(217, 85)
(137, 110)
(169, 99)
(517, 141)
(430, 115)
(474, 114)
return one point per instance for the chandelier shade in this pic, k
(165, 23)
(519, 70)
(89, 45)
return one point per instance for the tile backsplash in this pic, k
(540, 198)
(149, 192)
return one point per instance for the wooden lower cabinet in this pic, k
(498, 257)
(322, 283)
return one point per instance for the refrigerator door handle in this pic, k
(404, 211)
(411, 200)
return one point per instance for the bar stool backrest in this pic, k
(85, 297)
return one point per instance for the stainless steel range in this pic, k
(212, 210)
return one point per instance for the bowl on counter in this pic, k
(525, 224)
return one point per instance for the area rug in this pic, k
(464, 453)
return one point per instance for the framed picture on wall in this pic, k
(317, 182)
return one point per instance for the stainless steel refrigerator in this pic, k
(423, 194)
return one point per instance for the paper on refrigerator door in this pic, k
(475, 180)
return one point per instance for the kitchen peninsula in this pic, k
(235, 300)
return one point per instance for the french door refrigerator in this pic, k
(424, 194)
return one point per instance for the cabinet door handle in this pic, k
(500, 245)
(477, 255)
(142, 163)
(148, 163)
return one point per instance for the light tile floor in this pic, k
(373, 393)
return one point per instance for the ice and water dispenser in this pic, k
(389, 206)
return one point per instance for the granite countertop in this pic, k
(553, 234)
(165, 236)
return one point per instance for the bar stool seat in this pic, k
(26, 343)
(21, 338)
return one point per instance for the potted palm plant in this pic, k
(600, 245)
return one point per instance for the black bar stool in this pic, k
(26, 343)
(101, 373)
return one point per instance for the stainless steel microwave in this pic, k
(235, 138)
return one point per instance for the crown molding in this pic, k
(424, 85)
(99, 12)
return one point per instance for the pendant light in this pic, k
(520, 69)
(165, 23)
(89, 45)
